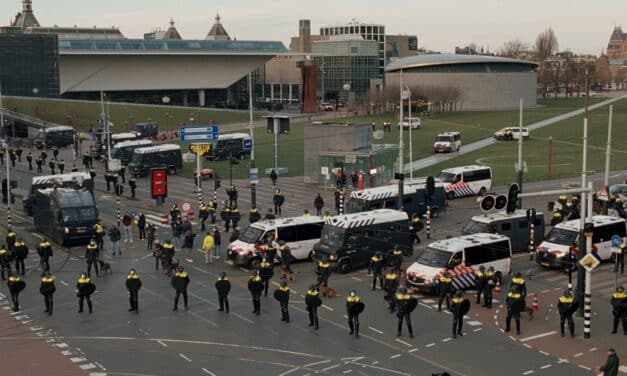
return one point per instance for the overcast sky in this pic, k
(581, 26)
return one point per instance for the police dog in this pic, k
(104, 267)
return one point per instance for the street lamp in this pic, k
(6, 150)
(400, 125)
(407, 95)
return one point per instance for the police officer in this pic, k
(132, 183)
(107, 178)
(620, 259)
(619, 309)
(85, 288)
(18, 152)
(202, 215)
(282, 294)
(278, 199)
(235, 216)
(122, 174)
(396, 260)
(61, 166)
(253, 215)
(480, 282)
(15, 285)
(445, 287)
(375, 267)
(10, 239)
(313, 301)
(255, 286)
(44, 250)
(490, 282)
(269, 215)
(405, 304)
(75, 169)
(92, 172)
(5, 261)
(223, 285)
(55, 152)
(51, 164)
(13, 157)
(414, 226)
(47, 289)
(566, 306)
(390, 286)
(29, 159)
(519, 280)
(354, 307)
(133, 284)
(270, 250)
(225, 214)
(323, 271)
(175, 214)
(286, 260)
(92, 254)
(515, 304)
(39, 163)
(100, 233)
(20, 250)
(266, 272)
(167, 255)
(212, 207)
(232, 194)
(180, 281)
(457, 309)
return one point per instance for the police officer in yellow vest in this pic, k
(266, 271)
(85, 288)
(404, 309)
(515, 304)
(44, 249)
(47, 289)
(566, 306)
(282, 294)
(390, 286)
(15, 285)
(99, 234)
(92, 255)
(445, 288)
(376, 268)
(619, 309)
(133, 284)
(212, 206)
(255, 286)
(353, 310)
(313, 301)
(5, 261)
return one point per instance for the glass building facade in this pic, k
(372, 32)
(341, 62)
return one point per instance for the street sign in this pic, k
(254, 176)
(199, 133)
(350, 159)
(186, 206)
(248, 144)
(324, 170)
(589, 262)
(203, 149)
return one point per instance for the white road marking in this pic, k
(544, 353)
(15, 313)
(100, 365)
(474, 323)
(289, 371)
(586, 368)
(425, 305)
(347, 371)
(161, 343)
(356, 279)
(64, 283)
(61, 345)
(413, 350)
(375, 362)
(330, 367)
(526, 339)
(431, 344)
(528, 372)
(512, 338)
(562, 360)
(446, 339)
(577, 355)
(78, 360)
(66, 352)
(87, 366)
(395, 356)
(545, 366)
(375, 330)
(526, 345)
(327, 307)
(403, 342)
(622, 369)
(97, 374)
(37, 235)
(593, 349)
(477, 330)
(184, 357)
(208, 372)
(428, 301)
(316, 363)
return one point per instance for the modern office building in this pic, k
(400, 46)
(373, 32)
(346, 64)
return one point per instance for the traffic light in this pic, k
(500, 202)
(487, 203)
(512, 198)
(430, 185)
(217, 184)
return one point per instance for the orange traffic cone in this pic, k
(534, 304)
(497, 288)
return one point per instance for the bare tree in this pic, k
(513, 48)
(603, 76)
(546, 44)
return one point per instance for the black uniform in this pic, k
(266, 271)
(396, 260)
(99, 234)
(323, 272)
(235, 216)
(5, 261)
(233, 194)
(254, 216)
(270, 252)
(133, 284)
(353, 308)
(405, 304)
(212, 207)
(202, 215)
(44, 250)
(180, 280)
(91, 257)
(620, 259)
(15, 285)
(39, 163)
(459, 307)
(286, 261)
(566, 307)
(255, 286)
(515, 304)
(61, 166)
(414, 226)
(85, 288)
(376, 268)
(313, 301)
(278, 199)
(390, 286)
(132, 183)
(619, 310)
(223, 285)
(282, 294)
(51, 164)
(20, 250)
(480, 282)
(29, 159)
(225, 214)
(490, 282)
(10, 239)
(445, 288)
(47, 289)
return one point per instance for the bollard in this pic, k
(428, 222)
(531, 240)
(117, 202)
(342, 201)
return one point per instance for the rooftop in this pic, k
(421, 61)
(217, 31)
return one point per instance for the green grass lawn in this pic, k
(83, 115)
(566, 150)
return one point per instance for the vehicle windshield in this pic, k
(332, 235)
(474, 227)
(434, 257)
(136, 159)
(410, 120)
(80, 214)
(561, 236)
(250, 234)
(447, 177)
(444, 138)
(116, 153)
(357, 205)
(618, 189)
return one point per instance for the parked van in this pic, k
(166, 155)
(553, 251)
(515, 226)
(466, 181)
(124, 150)
(463, 255)
(237, 145)
(146, 129)
(60, 137)
(447, 142)
(386, 197)
(114, 138)
(349, 241)
(300, 234)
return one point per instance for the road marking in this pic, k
(477, 330)
(431, 344)
(586, 368)
(66, 352)
(543, 291)
(97, 374)
(528, 372)
(87, 366)
(395, 356)
(348, 371)
(330, 367)
(37, 235)
(428, 301)
(375, 330)
(562, 360)
(544, 353)
(356, 279)
(577, 355)
(526, 339)
(512, 338)
(404, 343)
(545, 366)
(208, 372)
(425, 305)
(100, 365)
(526, 345)
(64, 283)
(61, 345)
(474, 323)
(327, 307)
(446, 339)
(184, 357)
(622, 369)
(316, 363)
(161, 343)
(495, 317)
(288, 371)
(593, 349)
(78, 360)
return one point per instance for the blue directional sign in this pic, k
(199, 133)
(248, 144)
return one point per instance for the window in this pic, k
(523, 224)
(605, 233)
(477, 175)
(485, 253)
(309, 231)
(288, 234)
(506, 226)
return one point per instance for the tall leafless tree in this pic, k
(546, 44)
(513, 48)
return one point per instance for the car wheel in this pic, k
(450, 195)
(482, 191)
(171, 170)
(344, 267)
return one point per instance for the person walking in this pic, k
(127, 220)
(223, 285)
(612, 364)
(273, 177)
(282, 294)
(6, 257)
(91, 257)
(319, 204)
(132, 184)
(255, 286)
(180, 281)
(619, 309)
(203, 214)
(459, 307)
(208, 245)
(61, 166)
(47, 289)
(29, 159)
(85, 287)
(405, 305)
(217, 240)
(354, 307)
(20, 250)
(515, 304)
(141, 226)
(566, 306)
(114, 237)
(150, 237)
(133, 284)
(15, 285)
(99, 234)
(177, 233)
(313, 301)
(44, 250)
(266, 272)
(278, 199)
(375, 267)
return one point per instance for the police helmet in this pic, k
(180, 269)
(283, 283)
(92, 242)
(264, 259)
(518, 275)
(567, 292)
(491, 268)
(378, 254)
(132, 271)
(83, 275)
(281, 242)
(313, 287)
(620, 288)
(458, 293)
(46, 274)
(482, 268)
(352, 293)
(402, 290)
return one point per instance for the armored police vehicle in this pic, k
(166, 156)
(515, 226)
(124, 150)
(74, 180)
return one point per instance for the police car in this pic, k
(466, 181)
(564, 237)
(447, 142)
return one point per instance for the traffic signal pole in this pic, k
(253, 187)
(520, 152)
(6, 162)
(581, 275)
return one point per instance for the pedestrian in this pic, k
(266, 272)
(133, 284)
(51, 164)
(85, 287)
(157, 253)
(39, 163)
(620, 259)
(354, 307)
(180, 281)
(273, 177)
(208, 245)
(61, 166)
(223, 286)
(107, 178)
(225, 214)
(132, 184)
(566, 306)
(278, 199)
(92, 254)
(619, 309)
(217, 239)
(318, 204)
(444, 288)
(323, 273)
(20, 250)
(6, 257)
(47, 289)
(286, 260)
(375, 267)
(405, 305)
(390, 285)
(255, 286)
(150, 236)
(127, 220)
(354, 179)
(282, 294)
(15, 285)
(13, 157)
(233, 195)
(459, 307)
(114, 237)
(203, 214)
(99, 234)
(515, 304)
(141, 226)
(312, 302)
(44, 155)
(612, 364)
(44, 250)
(29, 159)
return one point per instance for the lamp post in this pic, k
(6, 149)
(407, 95)
(253, 185)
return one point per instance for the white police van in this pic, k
(564, 237)
(463, 256)
(300, 234)
(447, 142)
(466, 181)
